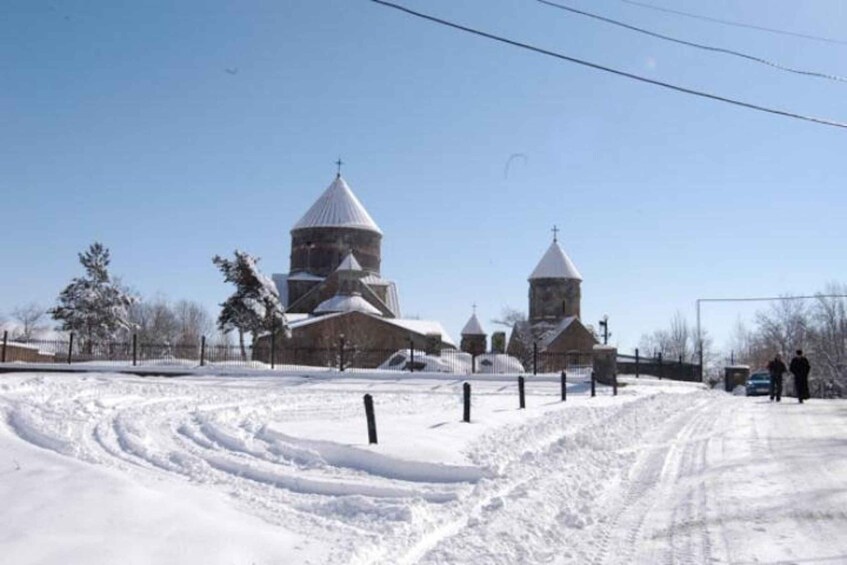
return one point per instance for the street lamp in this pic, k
(604, 323)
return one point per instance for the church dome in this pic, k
(337, 207)
(555, 264)
(473, 327)
(346, 303)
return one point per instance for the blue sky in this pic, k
(172, 132)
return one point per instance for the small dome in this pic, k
(337, 207)
(555, 264)
(346, 303)
(473, 327)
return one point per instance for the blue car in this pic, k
(758, 383)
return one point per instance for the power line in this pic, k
(682, 89)
(691, 43)
(734, 23)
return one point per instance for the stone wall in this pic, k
(17, 352)
(320, 250)
(553, 299)
(368, 342)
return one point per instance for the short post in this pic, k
(534, 357)
(341, 354)
(473, 363)
(466, 414)
(5, 340)
(273, 346)
(134, 350)
(637, 363)
(564, 386)
(521, 396)
(369, 414)
(661, 366)
(70, 347)
(411, 356)
(615, 384)
(593, 386)
(202, 350)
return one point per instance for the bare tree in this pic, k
(193, 321)
(509, 317)
(28, 316)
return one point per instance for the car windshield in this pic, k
(759, 377)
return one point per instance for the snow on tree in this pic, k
(254, 307)
(94, 306)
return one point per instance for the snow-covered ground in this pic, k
(106, 468)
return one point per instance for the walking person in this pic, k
(776, 368)
(800, 368)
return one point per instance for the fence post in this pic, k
(134, 350)
(564, 386)
(341, 354)
(202, 350)
(369, 414)
(637, 363)
(411, 356)
(534, 357)
(70, 347)
(521, 396)
(615, 383)
(273, 346)
(593, 386)
(661, 366)
(5, 340)
(473, 363)
(466, 416)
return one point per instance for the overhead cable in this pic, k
(735, 23)
(692, 44)
(682, 89)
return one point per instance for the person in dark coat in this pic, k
(800, 368)
(776, 368)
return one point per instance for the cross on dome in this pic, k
(339, 163)
(555, 231)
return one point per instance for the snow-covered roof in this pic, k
(304, 276)
(555, 264)
(281, 282)
(349, 263)
(473, 327)
(392, 298)
(423, 327)
(347, 303)
(337, 207)
(548, 336)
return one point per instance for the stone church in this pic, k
(554, 323)
(335, 290)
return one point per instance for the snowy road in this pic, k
(99, 468)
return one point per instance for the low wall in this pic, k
(16, 352)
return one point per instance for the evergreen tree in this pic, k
(94, 306)
(254, 307)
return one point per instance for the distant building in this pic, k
(554, 324)
(334, 289)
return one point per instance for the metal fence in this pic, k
(341, 356)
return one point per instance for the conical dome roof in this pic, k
(337, 207)
(346, 303)
(473, 327)
(555, 264)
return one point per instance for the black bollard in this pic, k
(521, 392)
(615, 384)
(593, 387)
(369, 413)
(466, 417)
(564, 386)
